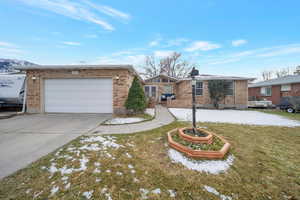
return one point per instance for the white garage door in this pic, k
(78, 95)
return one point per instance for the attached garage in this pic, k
(78, 95)
(77, 88)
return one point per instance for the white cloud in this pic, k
(154, 43)
(237, 43)
(6, 44)
(162, 54)
(121, 53)
(71, 43)
(10, 50)
(128, 59)
(109, 11)
(281, 51)
(255, 54)
(83, 11)
(176, 42)
(202, 46)
(230, 60)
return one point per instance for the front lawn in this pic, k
(266, 166)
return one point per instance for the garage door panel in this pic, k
(78, 95)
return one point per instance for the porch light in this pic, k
(193, 81)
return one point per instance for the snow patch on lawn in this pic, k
(234, 116)
(98, 180)
(130, 166)
(144, 193)
(64, 170)
(106, 194)
(172, 193)
(88, 194)
(150, 111)
(123, 120)
(208, 166)
(97, 171)
(215, 192)
(68, 186)
(54, 190)
(128, 155)
(91, 147)
(156, 191)
(103, 142)
(119, 173)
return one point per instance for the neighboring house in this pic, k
(237, 96)
(274, 89)
(78, 88)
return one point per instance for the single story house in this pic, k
(104, 89)
(237, 96)
(274, 89)
(77, 88)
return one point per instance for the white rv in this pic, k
(12, 89)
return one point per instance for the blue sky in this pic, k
(232, 37)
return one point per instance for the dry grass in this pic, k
(266, 166)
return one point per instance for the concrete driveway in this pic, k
(24, 139)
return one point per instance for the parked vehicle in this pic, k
(260, 104)
(166, 96)
(290, 103)
(12, 90)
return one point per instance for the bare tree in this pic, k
(284, 72)
(173, 65)
(151, 67)
(266, 75)
(297, 71)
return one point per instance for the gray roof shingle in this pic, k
(277, 81)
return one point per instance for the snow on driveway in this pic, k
(234, 116)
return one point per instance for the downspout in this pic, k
(25, 96)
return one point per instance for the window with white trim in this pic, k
(150, 91)
(266, 91)
(285, 88)
(199, 88)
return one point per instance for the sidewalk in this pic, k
(162, 117)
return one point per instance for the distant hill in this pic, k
(7, 65)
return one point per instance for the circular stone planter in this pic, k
(199, 153)
(196, 139)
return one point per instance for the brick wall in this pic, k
(35, 88)
(184, 96)
(276, 93)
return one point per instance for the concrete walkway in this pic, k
(162, 117)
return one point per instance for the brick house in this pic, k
(274, 89)
(77, 88)
(237, 96)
